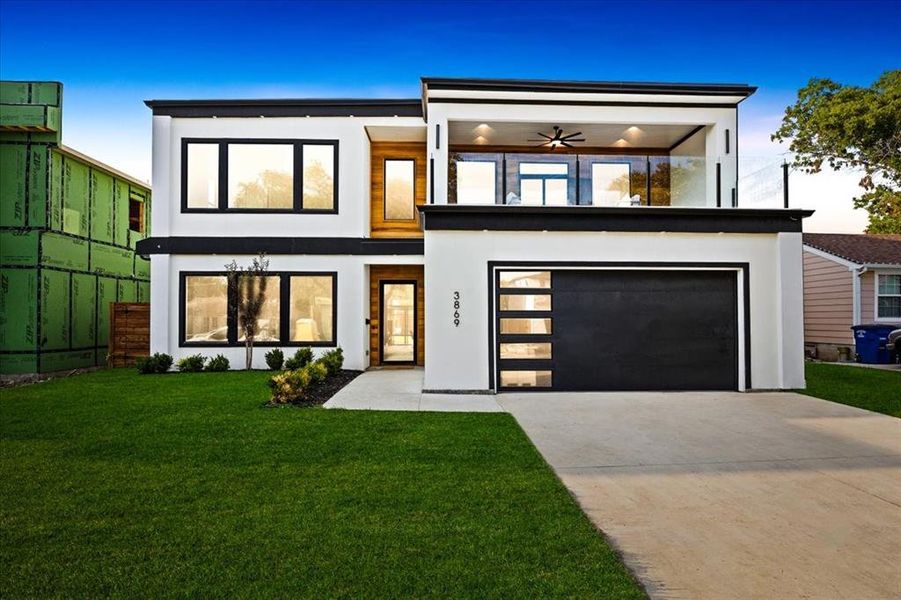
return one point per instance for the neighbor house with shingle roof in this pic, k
(848, 280)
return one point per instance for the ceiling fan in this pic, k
(558, 139)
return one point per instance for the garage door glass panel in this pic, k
(526, 379)
(525, 302)
(526, 351)
(525, 279)
(526, 326)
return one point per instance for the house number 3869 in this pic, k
(456, 309)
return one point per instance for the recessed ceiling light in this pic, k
(621, 142)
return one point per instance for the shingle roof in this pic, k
(860, 249)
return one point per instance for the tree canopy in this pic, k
(852, 128)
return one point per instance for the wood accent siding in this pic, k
(129, 333)
(868, 298)
(828, 301)
(379, 273)
(378, 152)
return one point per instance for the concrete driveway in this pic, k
(728, 495)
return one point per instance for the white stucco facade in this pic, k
(701, 126)
(458, 355)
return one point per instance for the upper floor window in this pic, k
(400, 197)
(259, 175)
(888, 296)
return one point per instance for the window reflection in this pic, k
(476, 182)
(399, 190)
(206, 309)
(610, 184)
(525, 379)
(525, 279)
(203, 175)
(318, 176)
(261, 176)
(311, 308)
(268, 323)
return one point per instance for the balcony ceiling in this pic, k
(595, 134)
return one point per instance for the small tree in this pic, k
(850, 127)
(247, 285)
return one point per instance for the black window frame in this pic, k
(223, 207)
(232, 311)
(385, 189)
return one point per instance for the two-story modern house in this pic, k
(504, 234)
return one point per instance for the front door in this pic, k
(397, 333)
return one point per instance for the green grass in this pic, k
(871, 389)
(117, 484)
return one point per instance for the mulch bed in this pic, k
(321, 394)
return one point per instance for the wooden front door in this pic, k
(397, 315)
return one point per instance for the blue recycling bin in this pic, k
(869, 343)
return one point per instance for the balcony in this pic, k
(581, 164)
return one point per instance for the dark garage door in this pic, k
(584, 330)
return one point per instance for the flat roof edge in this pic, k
(607, 87)
(277, 107)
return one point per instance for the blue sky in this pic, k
(113, 55)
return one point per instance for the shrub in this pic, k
(301, 358)
(191, 364)
(318, 372)
(158, 363)
(333, 360)
(217, 363)
(275, 358)
(290, 386)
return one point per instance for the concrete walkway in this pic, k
(728, 495)
(401, 389)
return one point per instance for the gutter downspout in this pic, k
(857, 273)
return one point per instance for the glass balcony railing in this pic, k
(762, 182)
(521, 179)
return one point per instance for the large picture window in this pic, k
(299, 309)
(888, 296)
(274, 175)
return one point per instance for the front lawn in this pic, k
(872, 389)
(113, 483)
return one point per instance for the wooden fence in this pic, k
(129, 333)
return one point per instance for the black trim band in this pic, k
(593, 218)
(281, 245)
(296, 107)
